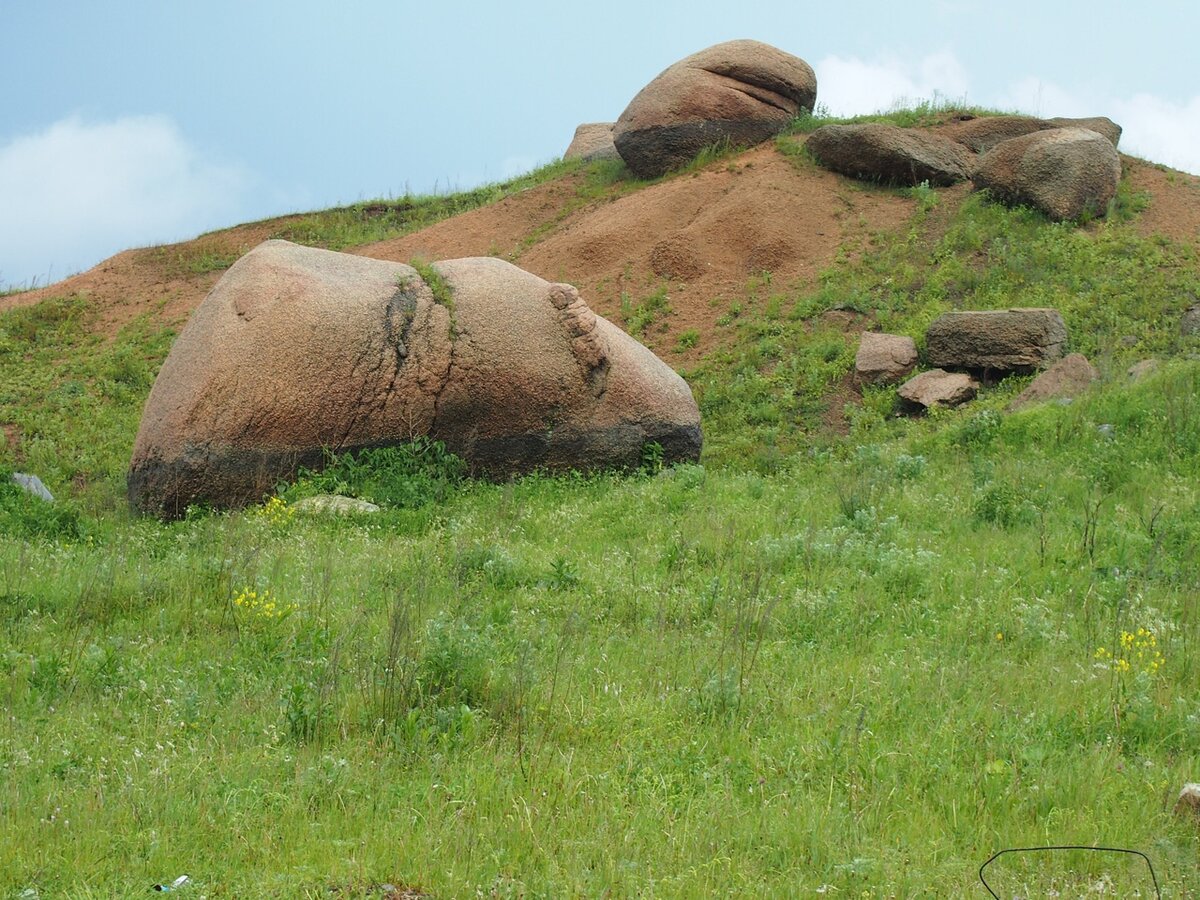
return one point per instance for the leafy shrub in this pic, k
(407, 476)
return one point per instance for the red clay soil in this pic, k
(1174, 209)
(701, 236)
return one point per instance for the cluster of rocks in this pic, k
(298, 350)
(741, 91)
(745, 91)
(1068, 168)
(963, 347)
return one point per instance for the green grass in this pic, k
(859, 665)
(377, 220)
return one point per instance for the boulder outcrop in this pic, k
(740, 91)
(1006, 340)
(592, 141)
(297, 350)
(887, 153)
(884, 358)
(1065, 172)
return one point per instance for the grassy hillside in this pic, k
(851, 654)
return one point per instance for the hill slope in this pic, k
(852, 654)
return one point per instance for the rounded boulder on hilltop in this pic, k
(1065, 172)
(739, 91)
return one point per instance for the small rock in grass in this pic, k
(937, 387)
(31, 484)
(1190, 323)
(884, 358)
(334, 505)
(1066, 378)
(1140, 370)
(1189, 800)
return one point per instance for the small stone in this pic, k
(884, 358)
(31, 484)
(1190, 323)
(334, 505)
(937, 387)
(1066, 378)
(1189, 800)
(1140, 370)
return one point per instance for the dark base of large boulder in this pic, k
(651, 152)
(231, 477)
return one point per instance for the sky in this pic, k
(135, 123)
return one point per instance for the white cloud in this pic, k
(78, 192)
(848, 86)
(1161, 131)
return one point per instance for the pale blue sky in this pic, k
(126, 123)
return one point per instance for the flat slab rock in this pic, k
(889, 154)
(296, 351)
(1069, 377)
(985, 132)
(884, 358)
(937, 387)
(1008, 340)
(738, 91)
(334, 505)
(31, 484)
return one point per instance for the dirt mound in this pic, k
(694, 239)
(699, 236)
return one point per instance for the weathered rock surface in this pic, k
(1069, 377)
(1189, 323)
(1007, 340)
(592, 141)
(937, 387)
(985, 132)
(1065, 172)
(880, 152)
(334, 505)
(31, 484)
(296, 350)
(740, 91)
(1188, 802)
(1142, 369)
(884, 358)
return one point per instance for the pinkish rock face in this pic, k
(297, 350)
(740, 91)
(1003, 340)
(884, 358)
(1064, 172)
(1069, 377)
(938, 387)
(593, 141)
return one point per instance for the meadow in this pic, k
(847, 662)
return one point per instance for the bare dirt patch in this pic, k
(1174, 209)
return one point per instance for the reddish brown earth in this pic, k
(700, 236)
(1174, 209)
